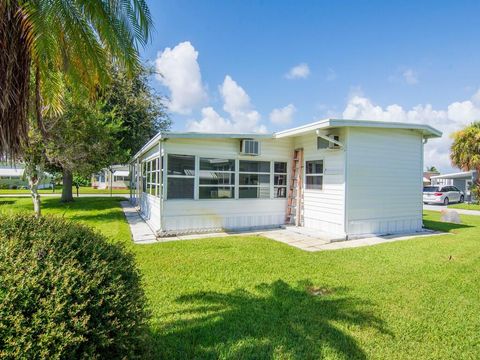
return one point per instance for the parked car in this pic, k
(442, 195)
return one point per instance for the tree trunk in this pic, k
(77, 189)
(33, 182)
(67, 195)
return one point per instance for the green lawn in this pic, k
(250, 297)
(82, 190)
(465, 206)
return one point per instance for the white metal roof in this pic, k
(11, 172)
(121, 173)
(457, 175)
(426, 130)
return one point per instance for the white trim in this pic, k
(427, 131)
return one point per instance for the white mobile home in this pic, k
(114, 177)
(348, 178)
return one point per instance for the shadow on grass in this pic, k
(106, 216)
(7, 202)
(276, 320)
(444, 226)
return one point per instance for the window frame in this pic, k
(151, 178)
(275, 188)
(321, 175)
(270, 180)
(231, 173)
(194, 176)
(236, 176)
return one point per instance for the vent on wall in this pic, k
(250, 147)
(323, 143)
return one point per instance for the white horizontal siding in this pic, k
(384, 193)
(150, 210)
(271, 149)
(229, 214)
(324, 209)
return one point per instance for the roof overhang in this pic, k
(458, 175)
(11, 172)
(426, 130)
(121, 173)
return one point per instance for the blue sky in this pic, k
(225, 64)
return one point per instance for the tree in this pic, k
(465, 152)
(432, 169)
(65, 45)
(135, 103)
(83, 141)
(34, 156)
(78, 181)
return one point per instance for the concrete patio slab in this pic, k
(141, 232)
(308, 240)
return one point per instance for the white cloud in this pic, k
(301, 71)
(179, 71)
(283, 116)
(410, 76)
(236, 103)
(453, 118)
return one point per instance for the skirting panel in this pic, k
(385, 226)
(215, 222)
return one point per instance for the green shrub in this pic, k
(66, 292)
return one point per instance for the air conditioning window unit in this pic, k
(250, 147)
(323, 143)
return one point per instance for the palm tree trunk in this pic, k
(67, 195)
(15, 64)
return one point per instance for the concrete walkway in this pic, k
(443, 207)
(141, 232)
(319, 242)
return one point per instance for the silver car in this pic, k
(442, 195)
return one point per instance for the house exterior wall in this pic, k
(384, 181)
(194, 215)
(324, 209)
(371, 185)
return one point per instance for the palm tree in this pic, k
(465, 151)
(47, 46)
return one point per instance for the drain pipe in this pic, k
(160, 183)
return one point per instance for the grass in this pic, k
(82, 190)
(250, 297)
(465, 206)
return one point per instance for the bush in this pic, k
(66, 292)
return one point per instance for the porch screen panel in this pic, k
(216, 178)
(180, 176)
(254, 179)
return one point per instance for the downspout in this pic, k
(139, 170)
(345, 183)
(424, 141)
(160, 180)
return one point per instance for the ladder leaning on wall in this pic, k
(294, 213)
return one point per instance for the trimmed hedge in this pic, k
(66, 292)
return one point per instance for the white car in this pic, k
(442, 195)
